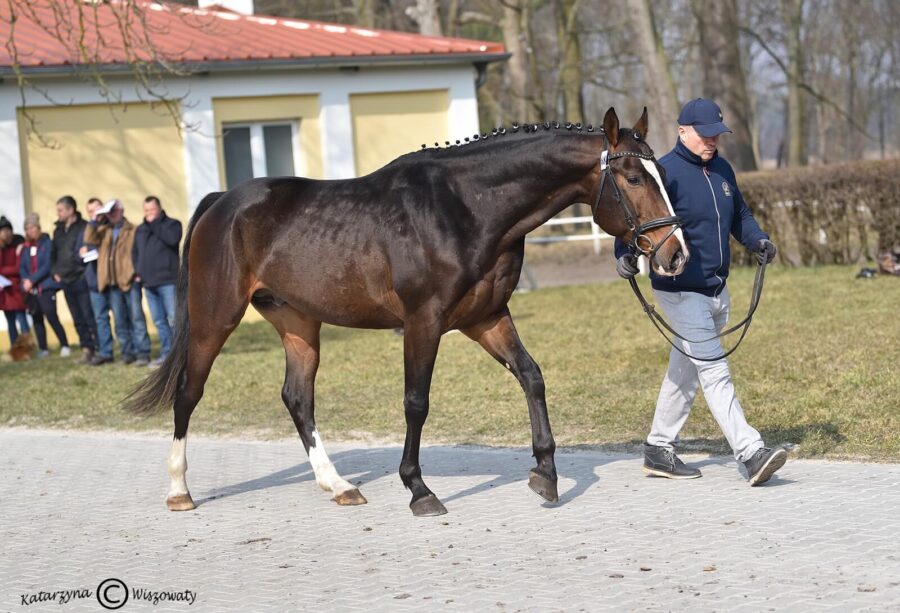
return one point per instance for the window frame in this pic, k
(258, 146)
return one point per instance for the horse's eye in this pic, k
(634, 180)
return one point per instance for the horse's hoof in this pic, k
(542, 486)
(182, 502)
(350, 498)
(427, 506)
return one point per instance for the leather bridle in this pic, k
(640, 243)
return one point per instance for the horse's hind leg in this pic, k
(300, 337)
(209, 330)
(499, 338)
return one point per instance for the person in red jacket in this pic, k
(12, 300)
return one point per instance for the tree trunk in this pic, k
(426, 13)
(517, 66)
(571, 78)
(723, 77)
(792, 13)
(661, 95)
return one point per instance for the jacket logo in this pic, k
(726, 188)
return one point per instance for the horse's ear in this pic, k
(611, 126)
(641, 126)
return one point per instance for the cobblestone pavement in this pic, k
(81, 508)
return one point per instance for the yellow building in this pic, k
(261, 96)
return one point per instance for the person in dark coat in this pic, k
(99, 300)
(68, 271)
(155, 254)
(12, 300)
(703, 191)
(39, 285)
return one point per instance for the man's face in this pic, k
(6, 236)
(703, 146)
(151, 210)
(92, 207)
(32, 232)
(63, 212)
(115, 215)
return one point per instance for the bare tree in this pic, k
(723, 76)
(426, 13)
(571, 80)
(87, 31)
(658, 82)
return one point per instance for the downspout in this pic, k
(480, 79)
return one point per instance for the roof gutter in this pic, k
(480, 60)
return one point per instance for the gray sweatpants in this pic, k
(699, 317)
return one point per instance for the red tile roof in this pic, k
(209, 37)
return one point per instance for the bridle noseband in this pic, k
(640, 243)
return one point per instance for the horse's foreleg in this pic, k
(301, 347)
(498, 336)
(420, 346)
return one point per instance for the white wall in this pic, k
(334, 86)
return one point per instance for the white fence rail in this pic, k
(596, 234)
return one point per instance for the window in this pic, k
(259, 150)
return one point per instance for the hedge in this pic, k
(826, 214)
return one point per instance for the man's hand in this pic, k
(57, 278)
(26, 285)
(765, 251)
(627, 266)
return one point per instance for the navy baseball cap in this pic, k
(705, 115)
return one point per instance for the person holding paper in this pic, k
(99, 300)
(12, 300)
(39, 285)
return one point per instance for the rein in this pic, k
(661, 323)
(648, 249)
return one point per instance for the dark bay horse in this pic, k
(432, 242)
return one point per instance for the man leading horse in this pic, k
(704, 194)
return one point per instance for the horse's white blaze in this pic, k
(177, 466)
(651, 168)
(326, 475)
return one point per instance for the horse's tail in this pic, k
(159, 389)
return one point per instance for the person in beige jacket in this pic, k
(114, 237)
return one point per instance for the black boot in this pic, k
(764, 463)
(662, 462)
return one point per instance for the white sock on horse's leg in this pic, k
(326, 475)
(178, 498)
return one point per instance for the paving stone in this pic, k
(79, 508)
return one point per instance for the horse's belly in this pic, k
(487, 296)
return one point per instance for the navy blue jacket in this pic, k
(90, 268)
(707, 199)
(41, 277)
(155, 251)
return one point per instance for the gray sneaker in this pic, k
(662, 462)
(764, 463)
(142, 361)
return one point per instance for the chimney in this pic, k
(244, 7)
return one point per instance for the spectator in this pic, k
(12, 300)
(156, 265)
(115, 274)
(40, 286)
(99, 300)
(68, 271)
